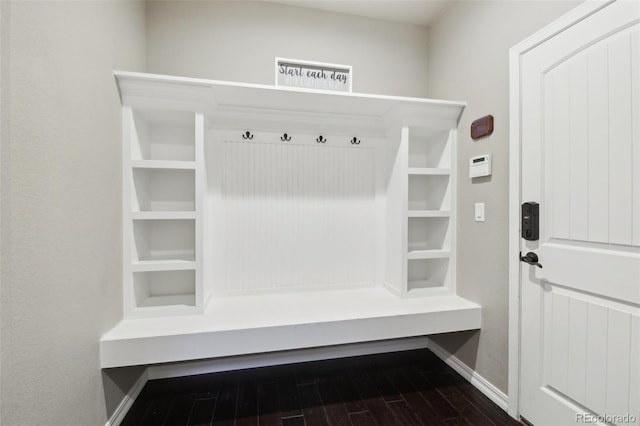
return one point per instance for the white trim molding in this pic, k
(483, 385)
(576, 15)
(125, 405)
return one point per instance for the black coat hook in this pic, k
(285, 137)
(321, 139)
(247, 135)
(355, 141)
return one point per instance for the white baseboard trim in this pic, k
(479, 382)
(123, 408)
(192, 368)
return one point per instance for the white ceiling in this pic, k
(419, 12)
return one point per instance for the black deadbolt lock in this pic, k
(530, 221)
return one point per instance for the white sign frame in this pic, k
(329, 80)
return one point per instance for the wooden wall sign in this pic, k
(482, 127)
(313, 75)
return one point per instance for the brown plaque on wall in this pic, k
(482, 127)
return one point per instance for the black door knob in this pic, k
(531, 258)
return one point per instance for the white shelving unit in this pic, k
(240, 240)
(430, 267)
(162, 208)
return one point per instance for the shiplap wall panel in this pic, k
(297, 215)
(620, 160)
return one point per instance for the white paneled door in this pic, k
(580, 160)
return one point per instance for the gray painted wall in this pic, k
(468, 60)
(238, 41)
(61, 206)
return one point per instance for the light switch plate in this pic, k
(479, 212)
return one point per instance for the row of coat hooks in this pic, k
(287, 138)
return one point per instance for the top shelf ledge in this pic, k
(240, 105)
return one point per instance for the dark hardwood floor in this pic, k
(400, 388)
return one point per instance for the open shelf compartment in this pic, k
(163, 135)
(163, 240)
(429, 192)
(164, 289)
(163, 190)
(429, 148)
(428, 233)
(427, 273)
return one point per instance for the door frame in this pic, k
(582, 11)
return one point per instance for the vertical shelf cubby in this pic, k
(163, 240)
(156, 189)
(158, 135)
(163, 168)
(430, 222)
(159, 289)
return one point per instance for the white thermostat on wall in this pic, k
(480, 166)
